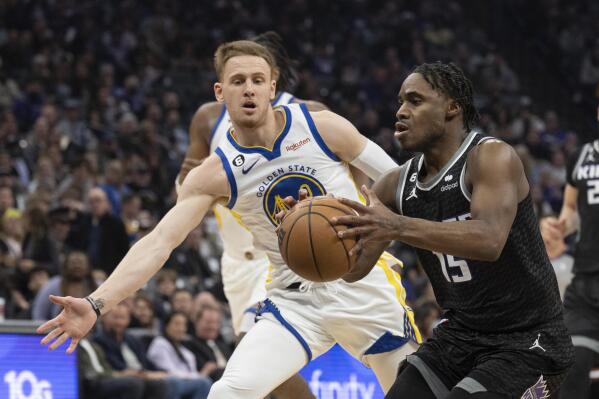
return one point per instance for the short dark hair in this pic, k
(450, 80)
(286, 66)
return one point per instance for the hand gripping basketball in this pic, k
(308, 240)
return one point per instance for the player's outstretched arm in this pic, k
(494, 203)
(352, 147)
(199, 137)
(201, 189)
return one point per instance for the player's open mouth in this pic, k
(401, 129)
(248, 105)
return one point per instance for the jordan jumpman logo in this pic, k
(536, 344)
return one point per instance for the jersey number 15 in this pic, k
(454, 269)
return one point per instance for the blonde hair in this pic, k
(226, 51)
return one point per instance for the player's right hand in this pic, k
(75, 321)
(552, 228)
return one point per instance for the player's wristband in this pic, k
(94, 306)
(373, 161)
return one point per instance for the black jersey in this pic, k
(517, 291)
(583, 174)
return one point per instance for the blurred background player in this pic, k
(580, 213)
(244, 268)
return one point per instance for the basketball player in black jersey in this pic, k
(464, 203)
(580, 213)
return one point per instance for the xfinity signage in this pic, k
(337, 375)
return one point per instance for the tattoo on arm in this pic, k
(100, 303)
(96, 304)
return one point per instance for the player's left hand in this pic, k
(375, 221)
(290, 202)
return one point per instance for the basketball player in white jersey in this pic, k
(269, 154)
(244, 268)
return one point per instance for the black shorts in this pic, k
(581, 310)
(508, 363)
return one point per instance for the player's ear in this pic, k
(453, 109)
(273, 89)
(218, 92)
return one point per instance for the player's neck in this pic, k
(441, 152)
(263, 134)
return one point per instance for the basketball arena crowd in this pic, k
(96, 99)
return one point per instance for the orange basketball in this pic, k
(309, 243)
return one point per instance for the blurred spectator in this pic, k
(28, 279)
(37, 243)
(113, 186)
(525, 121)
(204, 299)
(131, 208)
(45, 176)
(100, 233)
(142, 315)
(7, 199)
(168, 352)
(207, 345)
(182, 301)
(126, 353)
(166, 285)
(74, 130)
(554, 135)
(427, 315)
(80, 179)
(11, 232)
(589, 71)
(75, 280)
(60, 226)
(187, 261)
(100, 381)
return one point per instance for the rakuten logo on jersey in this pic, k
(297, 145)
(352, 389)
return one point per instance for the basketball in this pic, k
(309, 243)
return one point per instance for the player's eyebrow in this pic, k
(239, 75)
(410, 94)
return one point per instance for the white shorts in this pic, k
(366, 317)
(244, 283)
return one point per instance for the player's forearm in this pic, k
(471, 239)
(569, 218)
(142, 261)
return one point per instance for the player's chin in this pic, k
(407, 141)
(249, 121)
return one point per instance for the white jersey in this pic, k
(260, 178)
(237, 240)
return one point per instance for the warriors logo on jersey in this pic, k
(289, 185)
